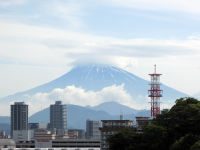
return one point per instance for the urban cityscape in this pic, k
(97, 135)
(99, 75)
(56, 135)
(26, 135)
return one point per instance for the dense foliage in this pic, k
(174, 129)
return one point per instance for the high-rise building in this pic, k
(92, 129)
(58, 118)
(19, 117)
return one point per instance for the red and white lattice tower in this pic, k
(155, 93)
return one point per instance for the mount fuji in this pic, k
(97, 77)
(92, 82)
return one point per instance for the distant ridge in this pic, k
(77, 115)
(114, 108)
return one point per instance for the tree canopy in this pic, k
(174, 129)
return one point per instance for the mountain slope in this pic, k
(5, 124)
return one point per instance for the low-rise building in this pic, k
(141, 122)
(71, 148)
(76, 133)
(7, 143)
(69, 144)
(3, 135)
(110, 127)
(21, 135)
(73, 134)
(25, 144)
(76, 143)
(43, 138)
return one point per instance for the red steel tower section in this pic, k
(155, 93)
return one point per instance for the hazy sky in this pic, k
(42, 39)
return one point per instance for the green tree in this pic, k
(125, 139)
(185, 142)
(174, 129)
(183, 118)
(195, 146)
(154, 137)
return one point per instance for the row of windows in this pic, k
(48, 149)
(91, 142)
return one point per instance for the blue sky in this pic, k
(41, 40)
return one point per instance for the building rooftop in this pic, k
(117, 120)
(58, 102)
(9, 142)
(20, 103)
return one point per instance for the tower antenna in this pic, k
(155, 93)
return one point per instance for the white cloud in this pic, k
(38, 45)
(6, 3)
(186, 6)
(48, 47)
(69, 10)
(78, 96)
(57, 13)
